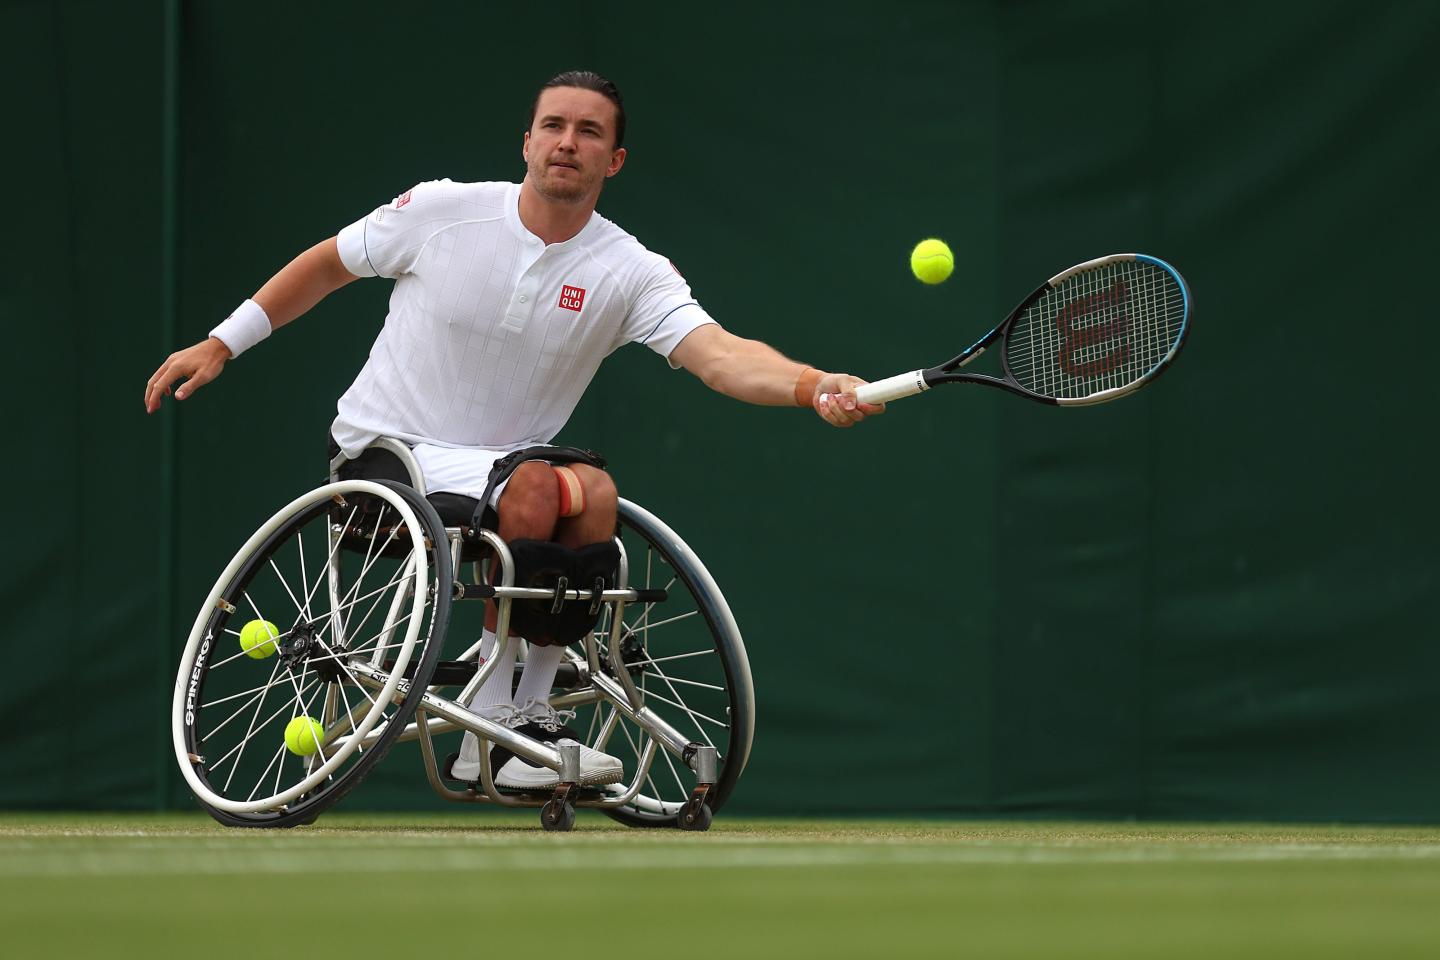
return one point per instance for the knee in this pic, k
(531, 500)
(600, 491)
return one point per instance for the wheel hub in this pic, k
(632, 654)
(306, 649)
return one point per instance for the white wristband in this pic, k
(244, 328)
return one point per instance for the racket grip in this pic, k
(893, 388)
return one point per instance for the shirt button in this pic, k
(523, 299)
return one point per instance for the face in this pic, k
(569, 148)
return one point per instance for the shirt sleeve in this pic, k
(389, 241)
(664, 312)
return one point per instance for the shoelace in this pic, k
(505, 714)
(544, 716)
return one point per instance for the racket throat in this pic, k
(967, 357)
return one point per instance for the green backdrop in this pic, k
(1213, 600)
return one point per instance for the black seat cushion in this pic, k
(457, 510)
(376, 464)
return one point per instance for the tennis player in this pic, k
(506, 299)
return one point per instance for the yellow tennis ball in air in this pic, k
(257, 638)
(304, 735)
(931, 261)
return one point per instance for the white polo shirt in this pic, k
(493, 336)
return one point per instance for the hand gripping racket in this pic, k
(1094, 333)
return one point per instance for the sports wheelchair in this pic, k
(319, 648)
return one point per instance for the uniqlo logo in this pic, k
(403, 199)
(572, 298)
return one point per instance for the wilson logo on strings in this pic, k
(1099, 348)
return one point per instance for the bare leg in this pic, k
(528, 510)
(597, 523)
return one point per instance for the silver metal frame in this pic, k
(437, 714)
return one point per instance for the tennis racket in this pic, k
(1094, 333)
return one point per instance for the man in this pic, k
(507, 297)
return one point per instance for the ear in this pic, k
(525, 147)
(616, 162)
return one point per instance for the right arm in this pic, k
(302, 283)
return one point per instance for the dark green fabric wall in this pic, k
(1213, 600)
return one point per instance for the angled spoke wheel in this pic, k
(687, 658)
(271, 722)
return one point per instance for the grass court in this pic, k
(493, 884)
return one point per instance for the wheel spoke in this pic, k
(240, 747)
(378, 593)
(299, 607)
(350, 653)
(684, 706)
(378, 590)
(300, 549)
(630, 630)
(646, 612)
(677, 656)
(241, 709)
(691, 683)
(693, 713)
(234, 696)
(242, 653)
(371, 559)
(329, 560)
(671, 764)
(279, 753)
(350, 715)
(341, 663)
(251, 729)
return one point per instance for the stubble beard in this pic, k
(556, 190)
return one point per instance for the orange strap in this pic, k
(572, 492)
(805, 387)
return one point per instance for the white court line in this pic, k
(38, 858)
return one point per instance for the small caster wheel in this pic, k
(695, 815)
(558, 815)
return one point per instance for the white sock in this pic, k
(541, 665)
(492, 693)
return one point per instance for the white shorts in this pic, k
(462, 470)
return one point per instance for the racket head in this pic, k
(1098, 331)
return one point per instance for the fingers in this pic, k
(158, 386)
(197, 380)
(839, 410)
(196, 365)
(837, 403)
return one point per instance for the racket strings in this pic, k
(1101, 329)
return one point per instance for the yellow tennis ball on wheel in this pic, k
(257, 638)
(304, 735)
(931, 261)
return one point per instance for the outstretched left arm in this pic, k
(755, 372)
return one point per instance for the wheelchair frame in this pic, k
(426, 713)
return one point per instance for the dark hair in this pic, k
(587, 80)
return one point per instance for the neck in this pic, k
(553, 221)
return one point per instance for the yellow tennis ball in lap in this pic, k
(931, 261)
(304, 735)
(257, 638)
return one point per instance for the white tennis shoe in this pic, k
(539, 720)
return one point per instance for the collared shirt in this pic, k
(492, 335)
